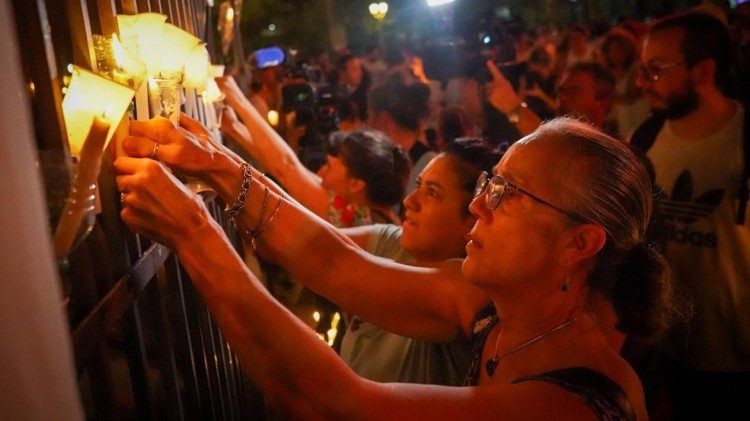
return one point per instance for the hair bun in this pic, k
(642, 294)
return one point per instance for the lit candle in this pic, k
(90, 95)
(83, 191)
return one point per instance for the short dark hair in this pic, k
(704, 38)
(371, 157)
(408, 105)
(605, 82)
(472, 155)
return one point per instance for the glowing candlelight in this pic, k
(147, 29)
(91, 95)
(197, 65)
(273, 118)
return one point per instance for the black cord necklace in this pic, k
(493, 362)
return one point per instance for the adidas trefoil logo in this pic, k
(682, 208)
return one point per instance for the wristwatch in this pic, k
(515, 116)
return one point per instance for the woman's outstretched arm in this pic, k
(261, 141)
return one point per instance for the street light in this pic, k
(433, 3)
(379, 10)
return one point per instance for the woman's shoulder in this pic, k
(600, 393)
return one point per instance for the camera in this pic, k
(305, 93)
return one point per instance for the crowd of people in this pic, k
(563, 234)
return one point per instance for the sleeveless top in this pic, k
(605, 397)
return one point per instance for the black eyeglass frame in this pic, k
(498, 185)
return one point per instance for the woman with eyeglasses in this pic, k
(560, 226)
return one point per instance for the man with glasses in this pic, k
(695, 144)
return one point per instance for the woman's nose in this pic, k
(478, 206)
(410, 201)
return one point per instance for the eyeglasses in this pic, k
(652, 72)
(498, 185)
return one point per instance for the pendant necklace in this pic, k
(493, 362)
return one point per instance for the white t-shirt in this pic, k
(709, 253)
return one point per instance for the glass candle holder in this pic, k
(105, 59)
(128, 69)
(164, 93)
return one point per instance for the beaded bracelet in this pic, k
(259, 230)
(233, 211)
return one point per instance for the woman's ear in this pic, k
(584, 243)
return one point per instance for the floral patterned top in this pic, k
(343, 214)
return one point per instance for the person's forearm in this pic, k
(266, 146)
(528, 121)
(274, 154)
(267, 338)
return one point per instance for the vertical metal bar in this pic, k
(135, 351)
(180, 13)
(80, 33)
(215, 353)
(155, 6)
(201, 349)
(41, 73)
(193, 19)
(127, 7)
(184, 354)
(166, 352)
(106, 12)
(143, 6)
(225, 374)
(167, 9)
(231, 387)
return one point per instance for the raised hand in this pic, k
(501, 93)
(417, 68)
(233, 127)
(234, 95)
(156, 204)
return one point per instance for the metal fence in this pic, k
(145, 345)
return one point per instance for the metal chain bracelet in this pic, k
(252, 232)
(233, 211)
(260, 229)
